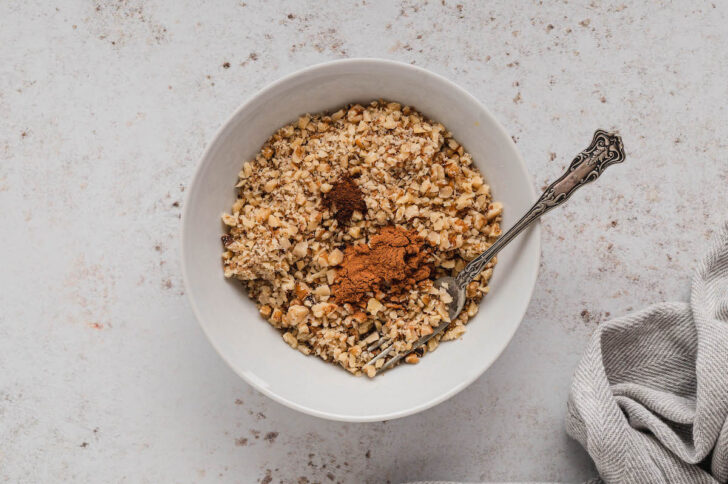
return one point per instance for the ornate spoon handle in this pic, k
(604, 150)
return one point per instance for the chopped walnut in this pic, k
(286, 245)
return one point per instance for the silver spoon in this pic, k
(605, 149)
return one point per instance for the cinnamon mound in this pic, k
(394, 262)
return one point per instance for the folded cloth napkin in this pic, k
(649, 399)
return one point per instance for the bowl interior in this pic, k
(253, 348)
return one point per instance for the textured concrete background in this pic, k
(105, 108)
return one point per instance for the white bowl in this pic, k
(253, 348)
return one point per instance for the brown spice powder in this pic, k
(345, 198)
(394, 262)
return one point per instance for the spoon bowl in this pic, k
(456, 292)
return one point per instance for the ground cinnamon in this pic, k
(345, 197)
(393, 262)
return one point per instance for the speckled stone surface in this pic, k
(105, 109)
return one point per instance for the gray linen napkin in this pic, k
(649, 399)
